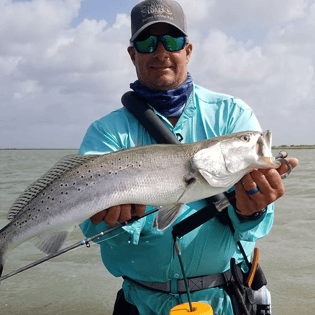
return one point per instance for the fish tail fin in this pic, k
(166, 216)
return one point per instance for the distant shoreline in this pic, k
(285, 147)
(17, 149)
(276, 147)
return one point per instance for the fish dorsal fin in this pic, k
(65, 164)
(50, 243)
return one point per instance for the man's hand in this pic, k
(269, 183)
(120, 213)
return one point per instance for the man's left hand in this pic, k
(269, 183)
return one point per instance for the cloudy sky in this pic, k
(64, 64)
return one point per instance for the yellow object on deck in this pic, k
(199, 308)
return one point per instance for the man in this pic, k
(160, 51)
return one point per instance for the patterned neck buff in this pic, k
(168, 103)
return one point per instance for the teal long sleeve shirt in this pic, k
(142, 253)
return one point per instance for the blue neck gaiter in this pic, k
(168, 103)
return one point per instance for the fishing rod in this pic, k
(85, 242)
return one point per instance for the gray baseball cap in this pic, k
(149, 12)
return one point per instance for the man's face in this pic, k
(161, 70)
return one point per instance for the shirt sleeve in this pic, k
(243, 117)
(98, 141)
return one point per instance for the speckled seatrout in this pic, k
(78, 187)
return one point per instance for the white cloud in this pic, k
(275, 75)
(55, 79)
(55, 75)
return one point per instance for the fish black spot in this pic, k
(86, 184)
(82, 176)
(79, 189)
(73, 183)
(42, 201)
(52, 198)
(62, 192)
(61, 184)
(66, 193)
(43, 194)
(78, 172)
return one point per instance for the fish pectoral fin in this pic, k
(211, 164)
(166, 216)
(50, 243)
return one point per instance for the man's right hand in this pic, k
(121, 213)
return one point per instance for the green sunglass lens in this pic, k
(173, 43)
(149, 44)
(146, 46)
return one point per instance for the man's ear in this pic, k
(132, 54)
(189, 49)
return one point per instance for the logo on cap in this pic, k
(156, 8)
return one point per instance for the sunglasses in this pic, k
(170, 43)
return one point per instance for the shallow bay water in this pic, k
(78, 283)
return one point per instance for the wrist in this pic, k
(250, 217)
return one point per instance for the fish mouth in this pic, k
(264, 144)
(264, 149)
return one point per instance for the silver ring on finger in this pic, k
(285, 175)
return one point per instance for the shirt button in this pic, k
(176, 275)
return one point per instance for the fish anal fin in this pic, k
(167, 215)
(50, 243)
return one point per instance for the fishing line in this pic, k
(95, 243)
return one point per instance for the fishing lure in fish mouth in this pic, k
(78, 187)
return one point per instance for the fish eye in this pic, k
(245, 138)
